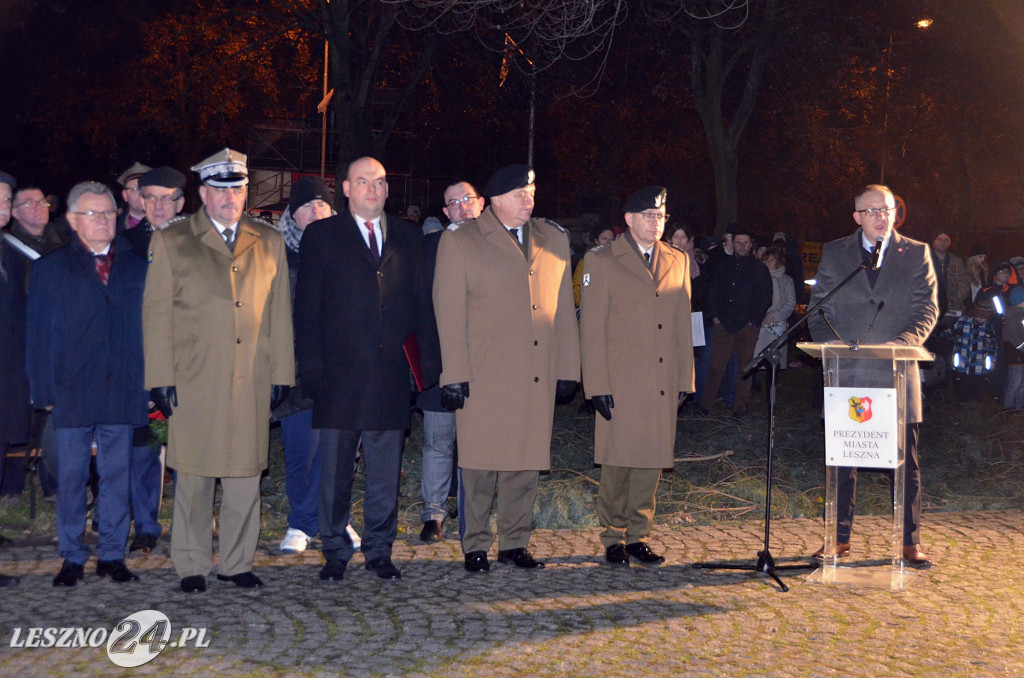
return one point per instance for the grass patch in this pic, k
(972, 458)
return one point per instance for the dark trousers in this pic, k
(846, 495)
(146, 484)
(74, 449)
(382, 459)
(723, 345)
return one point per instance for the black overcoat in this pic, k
(352, 318)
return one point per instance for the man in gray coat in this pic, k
(895, 304)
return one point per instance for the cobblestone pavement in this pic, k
(962, 616)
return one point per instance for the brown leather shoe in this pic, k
(842, 550)
(914, 555)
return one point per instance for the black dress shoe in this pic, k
(195, 583)
(431, 531)
(642, 552)
(117, 570)
(69, 575)
(245, 580)
(334, 570)
(384, 568)
(520, 558)
(7, 581)
(616, 555)
(476, 561)
(143, 542)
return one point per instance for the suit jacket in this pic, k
(907, 286)
(507, 325)
(218, 327)
(636, 346)
(14, 398)
(352, 318)
(84, 339)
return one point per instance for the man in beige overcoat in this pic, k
(217, 332)
(509, 345)
(637, 352)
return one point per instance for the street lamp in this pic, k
(922, 24)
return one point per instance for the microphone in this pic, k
(876, 254)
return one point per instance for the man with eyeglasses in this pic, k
(461, 202)
(162, 193)
(219, 357)
(31, 235)
(509, 346)
(738, 298)
(637, 352)
(30, 223)
(131, 193)
(904, 283)
(85, 364)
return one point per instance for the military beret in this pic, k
(6, 178)
(223, 169)
(650, 198)
(508, 178)
(307, 189)
(136, 170)
(168, 177)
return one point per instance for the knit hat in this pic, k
(307, 189)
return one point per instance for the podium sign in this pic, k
(861, 427)
(867, 384)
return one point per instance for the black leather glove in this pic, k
(278, 393)
(565, 389)
(165, 398)
(453, 396)
(603, 405)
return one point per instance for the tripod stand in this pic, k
(765, 562)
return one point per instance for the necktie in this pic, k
(647, 259)
(373, 242)
(103, 267)
(229, 238)
(515, 234)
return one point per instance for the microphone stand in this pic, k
(770, 355)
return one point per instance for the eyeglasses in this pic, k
(652, 217)
(464, 201)
(94, 214)
(877, 211)
(132, 189)
(33, 203)
(162, 199)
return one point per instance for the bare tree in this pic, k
(729, 41)
(366, 46)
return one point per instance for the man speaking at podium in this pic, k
(895, 301)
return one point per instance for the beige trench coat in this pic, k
(218, 327)
(507, 325)
(636, 346)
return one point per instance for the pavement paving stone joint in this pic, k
(962, 616)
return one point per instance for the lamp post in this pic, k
(921, 25)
